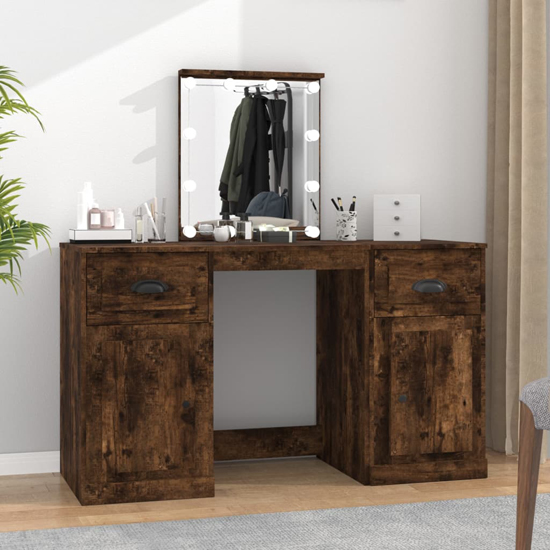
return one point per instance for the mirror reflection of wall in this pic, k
(250, 145)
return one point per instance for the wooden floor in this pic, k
(44, 501)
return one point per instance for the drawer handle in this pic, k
(396, 218)
(396, 233)
(149, 287)
(429, 286)
(397, 203)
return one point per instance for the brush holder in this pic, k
(346, 226)
(158, 236)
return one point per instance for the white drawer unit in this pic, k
(396, 217)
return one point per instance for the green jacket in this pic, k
(231, 178)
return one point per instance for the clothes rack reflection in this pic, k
(246, 170)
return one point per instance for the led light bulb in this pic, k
(190, 133)
(312, 135)
(229, 84)
(271, 85)
(189, 231)
(312, 186)
(189, 82)
(312, 231)
(313, 88)
(189, 186)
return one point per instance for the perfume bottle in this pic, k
(244, 228)
(94, 217)
(139, 225)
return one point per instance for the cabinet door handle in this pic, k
(149, 287)
(429, 286)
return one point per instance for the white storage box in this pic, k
(396, 217)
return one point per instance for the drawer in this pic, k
(112, 296)
(393, 217)
(396, 202)
(396, 271)
(396, 232)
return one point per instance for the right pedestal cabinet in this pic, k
(427, 366)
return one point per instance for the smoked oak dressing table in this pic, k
(400, 372)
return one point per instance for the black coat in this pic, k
(255, 167)
(276, 109)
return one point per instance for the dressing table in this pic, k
(400, 372)
(400, 325)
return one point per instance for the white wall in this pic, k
(404, 110)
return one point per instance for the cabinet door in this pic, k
(428, 371)
(149, 429)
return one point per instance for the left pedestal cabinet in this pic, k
(137, 377)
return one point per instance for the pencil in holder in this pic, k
(346, 226)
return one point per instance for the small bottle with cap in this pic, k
(119, 219)
(226, 220)
(244, 228)
(139, 225)
(94, 217)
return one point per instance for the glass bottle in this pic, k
(244, 228)
(94, 217)
(139, 226)
(226, 220)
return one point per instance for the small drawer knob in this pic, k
(396, 233)
(397, 203)
(402, 399)
(396, 218)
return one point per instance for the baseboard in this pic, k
(12, 464)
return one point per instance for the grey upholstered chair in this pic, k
(535, 417)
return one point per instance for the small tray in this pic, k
(275, 236)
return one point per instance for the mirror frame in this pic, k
(242, 75)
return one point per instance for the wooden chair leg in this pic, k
(530, 442)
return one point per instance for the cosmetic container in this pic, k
(139, 225)
(119, 219)
(346, 226)
(88, 195)
(107, 219)
(82, 211)
(160, 222)
(227, 221)
(244, 228)
(94, 217)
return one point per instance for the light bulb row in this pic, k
(312, 231)
(271, 85)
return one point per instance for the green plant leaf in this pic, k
(16, 235)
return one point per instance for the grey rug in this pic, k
(472, 524)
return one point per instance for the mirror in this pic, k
(249, 143)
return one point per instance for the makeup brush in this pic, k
(340, 204)
(313, 204)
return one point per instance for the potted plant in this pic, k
(16, 235)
